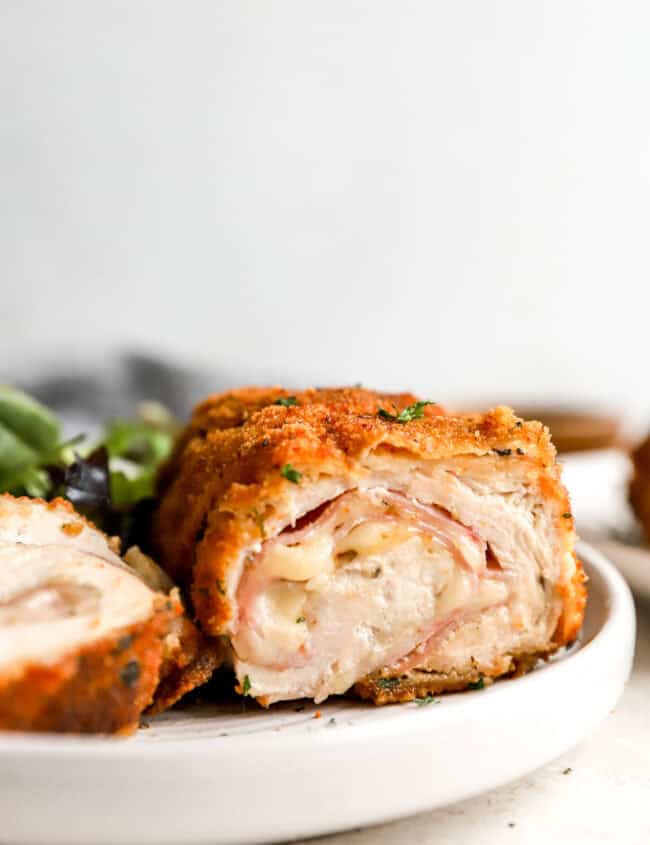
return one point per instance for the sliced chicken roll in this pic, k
(345, 539)
(83, 640)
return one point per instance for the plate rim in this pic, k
(620, 612)
(627, 558)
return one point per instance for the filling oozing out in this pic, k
(357, 585)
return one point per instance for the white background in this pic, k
(451, 196)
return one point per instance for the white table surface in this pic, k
(600, 791)
(597, 793)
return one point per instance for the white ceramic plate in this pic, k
(633, 561)
(244, 775)
(598, 484)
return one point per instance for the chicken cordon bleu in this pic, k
(340, 538)
(86, 644)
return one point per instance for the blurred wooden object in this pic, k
(575, 431)
(639, 493)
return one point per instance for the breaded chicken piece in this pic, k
(189, 658)
(342, 538)
(84, 642)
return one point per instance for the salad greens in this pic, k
(38, 428)
(110, 482)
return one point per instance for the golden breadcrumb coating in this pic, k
(103, 687)
(190, 665)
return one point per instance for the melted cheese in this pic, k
(374, 537)
(287, 600)
(457, 593)
(301, 562)
(284, 605)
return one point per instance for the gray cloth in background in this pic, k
(86, 396)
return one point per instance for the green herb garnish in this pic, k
(413, 412)
(291, 474)
(477, 684)
(246, 686)
(428, 699)
(300, 619)
(387, 683)
(124, 642)
(130, 673)
(286, 401)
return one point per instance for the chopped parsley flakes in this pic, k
(286, 401)
(124, 642)
(413, 412)
(477, 684)
(246, 685)
(428, 699)
(387, 683)
(130, 673)
(290, 474)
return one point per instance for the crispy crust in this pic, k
(76, 521)
(382, 688)
(189, 657)
(222, 411)
(189, 666)
(230, 410)
(224, 481)
(96, 689)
